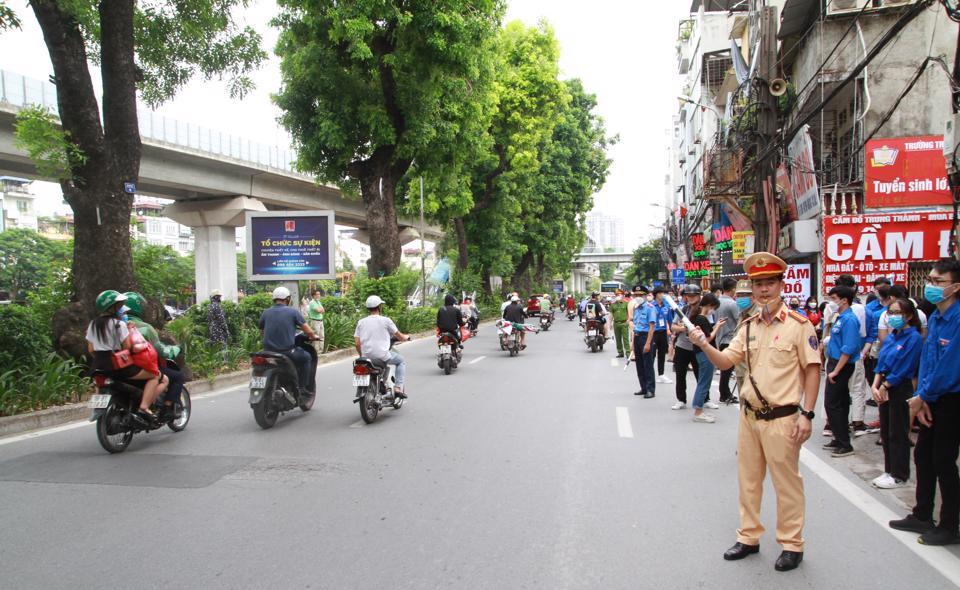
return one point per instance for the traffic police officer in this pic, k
(782, 355)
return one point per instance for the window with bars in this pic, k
(715, 67)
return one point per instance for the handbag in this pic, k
(121, 359)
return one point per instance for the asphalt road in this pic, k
(510, 473)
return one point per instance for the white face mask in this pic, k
(833, 307)
(649, 297)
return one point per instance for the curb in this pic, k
(58, 415)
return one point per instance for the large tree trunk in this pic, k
(521, 275)
(463, 256)
(378, 181)
(102, 257)
(539, 269)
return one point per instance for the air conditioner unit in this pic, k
(892, 3)
(846, 6)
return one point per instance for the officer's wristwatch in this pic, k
(807, 414)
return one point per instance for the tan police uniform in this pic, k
(778, 351)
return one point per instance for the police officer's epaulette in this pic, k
(798, 316)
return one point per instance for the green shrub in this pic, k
(416, 319)
(24, 339)
(252, 306)
(333, 305)
(338, 331)
(51, 382)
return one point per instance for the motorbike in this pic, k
(509, 337)
(449, 353)
(115, 411)
(594, 335)
(274, 387)
(375, 382)
(571, 315)
(546, 320)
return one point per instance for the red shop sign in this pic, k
(906, 171)
(881, 245)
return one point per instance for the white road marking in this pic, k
(45, 431)
(357, 424)
(623, 423)
(613, 362)
(477, 360)
(939, 558)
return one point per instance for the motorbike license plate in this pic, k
(361, 380)
(591, 332)
(99, 401)
(445, 349)
(258, 382)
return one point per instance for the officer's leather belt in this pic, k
(771, 413)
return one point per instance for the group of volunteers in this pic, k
(909, 363)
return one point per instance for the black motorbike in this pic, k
(375, 383)
(115, 411)
(274, 385)
(449, 353)
(571, 315)
(546, 320)
(593, 336)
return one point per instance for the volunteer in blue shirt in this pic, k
(937, 407)
(643, 324)
(661, 337)
(843, 352)
(874, 308)
(893, 387)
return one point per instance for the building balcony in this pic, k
(842, 200)
(722, 171)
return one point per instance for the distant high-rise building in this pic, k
(606, 230)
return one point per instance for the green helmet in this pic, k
(108, 299)
(135, 302)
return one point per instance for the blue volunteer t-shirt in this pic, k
(279, 324)
(845, 337)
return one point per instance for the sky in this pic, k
(623, 50)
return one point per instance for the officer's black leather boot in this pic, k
(739, 551)
(788, 560)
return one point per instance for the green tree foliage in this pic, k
(161, 272)
(369, 87)
(150, 49)
(26, 258)
(646, 263)
(8, 18)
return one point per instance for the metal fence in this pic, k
(21, 91)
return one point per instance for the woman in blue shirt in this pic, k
(892, 389)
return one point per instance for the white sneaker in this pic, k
(890, 484)
(678, 406)
(704, 418)
(881, 477)
(666, 379)
(659, 379)
(828, 432)
(712, 405)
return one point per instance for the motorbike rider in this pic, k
(109, 333)
(278, 326)
(571, 303)
(514, 314)
(136, 302)
(450, 318)
(470, 313)
(509, 299)
(372, 340)
(595, 310)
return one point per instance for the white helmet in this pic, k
(373, 301)
(281, 293)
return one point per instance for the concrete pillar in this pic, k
(214, 224)
(215, 254)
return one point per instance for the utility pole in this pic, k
(766, 128)
(423, 252)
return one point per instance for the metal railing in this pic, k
(21, 91)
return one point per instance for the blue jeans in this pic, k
(401, 367)
(704, 379)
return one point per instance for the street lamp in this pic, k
(689, 100)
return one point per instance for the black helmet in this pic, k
(692, 289)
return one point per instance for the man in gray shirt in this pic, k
(372, 340)
(729, 311)
(279, 325)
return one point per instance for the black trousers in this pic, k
(869, 369)
(725, 393)
(895, 431)
(837, 402)
(644, 363)
(662, 343)
(936, 458)
(176, 384)
(682, 360)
